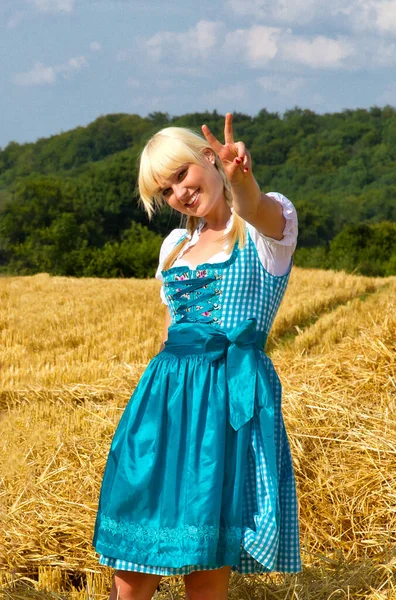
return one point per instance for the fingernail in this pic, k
(245, 170)
(238, 161)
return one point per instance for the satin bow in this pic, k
(242, 369)
(245, 371)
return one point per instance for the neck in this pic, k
(218, 217)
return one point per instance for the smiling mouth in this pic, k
(193, 199)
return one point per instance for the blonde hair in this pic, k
(163, 154)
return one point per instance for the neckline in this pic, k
(193, 239)
(192, 268)
(227, 227)
(208, 265)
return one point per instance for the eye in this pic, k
(181, 174)
(179, 177)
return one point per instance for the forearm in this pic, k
(258, 209)
(246, 197)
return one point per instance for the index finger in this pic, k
(228, 133)
(211, 139)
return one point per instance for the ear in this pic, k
(209, 155)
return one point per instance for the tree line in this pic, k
(69, 206)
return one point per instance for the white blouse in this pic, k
(274, 255)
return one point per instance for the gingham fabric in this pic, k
(248, 290)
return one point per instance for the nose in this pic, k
(179, 191)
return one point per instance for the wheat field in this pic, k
(71, 353)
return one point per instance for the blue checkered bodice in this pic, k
(226, 294)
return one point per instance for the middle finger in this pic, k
(228, 133)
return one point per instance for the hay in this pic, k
(72, 352)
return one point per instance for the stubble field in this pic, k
(71, 353)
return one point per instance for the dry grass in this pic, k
(72, 352)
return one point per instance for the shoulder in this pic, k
(289, 210)
(167, 246)
(290, 231)
(170, 242)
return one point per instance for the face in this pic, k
(194, 190)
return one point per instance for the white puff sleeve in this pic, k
(275, 255)
(167, 246)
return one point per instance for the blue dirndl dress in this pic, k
(199, 473)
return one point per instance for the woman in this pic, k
(199, 479)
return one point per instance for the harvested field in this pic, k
(71, 353)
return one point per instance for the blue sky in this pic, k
(65, 62)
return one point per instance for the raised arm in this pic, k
(249, 202)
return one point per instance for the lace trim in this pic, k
(134, 532)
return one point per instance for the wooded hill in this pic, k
(68, 204)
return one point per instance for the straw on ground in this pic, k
(71, 353)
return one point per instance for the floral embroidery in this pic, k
(181, 277)
(202, 273)
(198, 297)
(186, 295)
(127, 535)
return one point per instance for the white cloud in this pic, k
(386, 16)
(262, 43)
(257, 45)
(204, 49)
(72, 66)
(296, 12)
(371, 15)
(39, 74)
(356, 15)
(197, 42)
(318, 53)
(360, 15)
(289, 11)
(209, 42)
(95, 46)
(65, 6)
(42, 75)
(204, 36)
(368, 15)
(377, 53)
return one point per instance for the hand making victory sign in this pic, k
(249, 202)
(234, 156)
